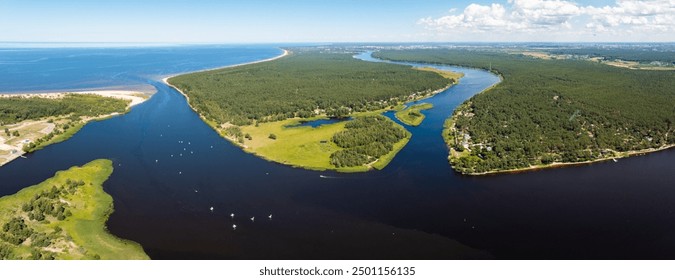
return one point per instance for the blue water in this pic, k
(59, 69)
(170, 168)
(320, 122)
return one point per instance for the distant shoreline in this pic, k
(165, 79)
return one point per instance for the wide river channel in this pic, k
(170, 168)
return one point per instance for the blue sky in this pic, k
(336, 21)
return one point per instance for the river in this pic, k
(170, 168)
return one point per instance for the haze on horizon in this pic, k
(266, 21)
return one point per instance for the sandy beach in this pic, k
(166, 81)
(135, 97)
(225, 67)
(11, 148)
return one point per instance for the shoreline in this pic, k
(285, 53)
(133, 96)
(570, 164)
(165, 80)
(16, 151)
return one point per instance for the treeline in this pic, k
(549, 111)
(18, 109)
(366, 139)
(303, 84)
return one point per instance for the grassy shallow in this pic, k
(305, 146)
(79, 234)
(412, 115)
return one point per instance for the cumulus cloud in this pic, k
(532, 16)
(658, 15)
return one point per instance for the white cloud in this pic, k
(656, 15)
(655, 18)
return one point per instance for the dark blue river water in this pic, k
(170, 168)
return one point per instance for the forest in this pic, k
(366, 139)
(303, 84)
(643, 55)
(552, 111)
(18, 109)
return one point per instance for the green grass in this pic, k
(305, 146)
(302, 146)
(84, 234)
(70, 132)
(412, 115)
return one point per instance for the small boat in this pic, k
(234, 227)
(615, 160)
(270, 216)
(211, 208)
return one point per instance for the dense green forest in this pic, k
(547, 111)
(18, 109)
(302, 84)
(366, 139)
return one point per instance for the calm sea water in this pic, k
(170, 168)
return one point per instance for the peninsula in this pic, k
(267, 108)
(548, 113)
(63, 218)
(30, 122)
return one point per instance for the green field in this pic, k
(63, 218)
(305, 146)
(548, 112)
(412, 115)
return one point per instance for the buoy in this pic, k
(252, 219)
(270, 216)
(211, 208)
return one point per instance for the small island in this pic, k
(412, 115)
(30, 122)
(262, 107)
(552, 112)
(64, 218)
